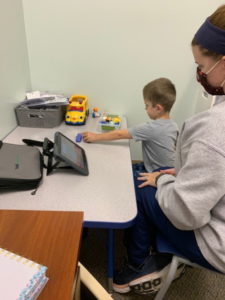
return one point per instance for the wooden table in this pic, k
(51, 238)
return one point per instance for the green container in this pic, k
(105, 127)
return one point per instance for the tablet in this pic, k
(70, 153)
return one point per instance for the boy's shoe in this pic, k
(147, 278)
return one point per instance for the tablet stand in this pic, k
(47, 151)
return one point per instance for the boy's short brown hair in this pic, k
(160, 91)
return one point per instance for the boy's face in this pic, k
(151, 110)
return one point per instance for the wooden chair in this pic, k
(92, 284)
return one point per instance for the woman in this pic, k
(188, 208)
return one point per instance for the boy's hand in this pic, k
(89, 137)
(148, 178)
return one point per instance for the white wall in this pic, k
(109, 49)
(14, 71)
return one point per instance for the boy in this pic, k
(159, 135)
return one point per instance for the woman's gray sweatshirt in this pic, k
(195, 198)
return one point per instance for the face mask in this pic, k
(202, 79)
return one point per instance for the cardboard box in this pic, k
(44, 117)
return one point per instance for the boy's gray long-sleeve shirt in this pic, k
(195, 198)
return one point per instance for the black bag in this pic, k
(21, 167)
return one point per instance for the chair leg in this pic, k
(168, 280)
(93, 285)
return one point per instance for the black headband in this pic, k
(211, 37)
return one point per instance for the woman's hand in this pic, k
(170, 171)
(148, 178)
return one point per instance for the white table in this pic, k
(106, 196)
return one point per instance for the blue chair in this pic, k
(164, 247)
(176, 261)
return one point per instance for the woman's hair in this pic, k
(160, 91)
(217, 19)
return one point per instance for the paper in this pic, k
(20, 278)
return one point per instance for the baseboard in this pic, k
(136, 161)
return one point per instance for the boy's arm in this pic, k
(108, 136)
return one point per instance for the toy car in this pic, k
(77, 110)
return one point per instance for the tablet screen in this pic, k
(69, 152)
(72, 152)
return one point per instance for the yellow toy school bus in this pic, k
(77, 110)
